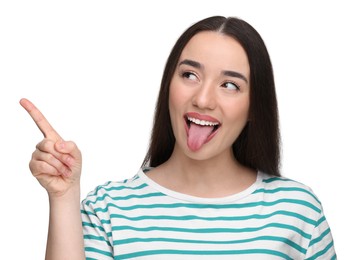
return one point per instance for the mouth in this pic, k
(192, 120)
(200, 129)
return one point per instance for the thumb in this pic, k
(71, 149)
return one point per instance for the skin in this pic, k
(211, 171)
(57, 166)
(204, 86)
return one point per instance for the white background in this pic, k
(94, 69)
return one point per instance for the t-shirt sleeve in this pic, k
(321, 244)
(97, 242)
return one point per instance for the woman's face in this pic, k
(209, 95)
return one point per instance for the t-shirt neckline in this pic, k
(190, 198)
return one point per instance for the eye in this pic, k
(189, 75)
(231, 86)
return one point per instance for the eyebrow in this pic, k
(228, 73)
(235, 74)
(192, 63)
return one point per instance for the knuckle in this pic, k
(73, 145)
(35, 167)
(50, 158)
(63, 169)
(42, 167)
(45, 145)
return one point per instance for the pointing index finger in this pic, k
(41, 122)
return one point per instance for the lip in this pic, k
(202, 117)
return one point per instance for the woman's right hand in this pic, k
(55, 163)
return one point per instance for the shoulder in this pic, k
(115, 190)
(284, 184)
(289, 191)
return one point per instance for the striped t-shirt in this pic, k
(275, 218)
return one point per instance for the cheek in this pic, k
(176, 109)
(239, 111)
(177, 96)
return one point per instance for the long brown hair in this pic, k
(258, 145)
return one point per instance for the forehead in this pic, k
(216, 50)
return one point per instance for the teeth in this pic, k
(202, 122)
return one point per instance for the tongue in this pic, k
(198, 135)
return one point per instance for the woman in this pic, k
(210, 184)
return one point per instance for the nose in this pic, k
(205, 97)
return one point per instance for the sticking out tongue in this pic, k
(198, 135)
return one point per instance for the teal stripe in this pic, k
(117, 188)
(127, 187)
(85, 212)
(321, 220)
(318, 239)
(86, 224)
(193, 217)
(287, 189)
(214, 230)
(99, 238)
(88, 213)
(273, 179)
(205, 252)
(99, 187)
(224, 242)
(135, 177)
(133, 196)
(95, 250)
(213, 206)
(322, 252)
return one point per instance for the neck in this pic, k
(213, 177)
(211, 168)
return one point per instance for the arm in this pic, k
(321, 243)
(57, 166)
(65, 235)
